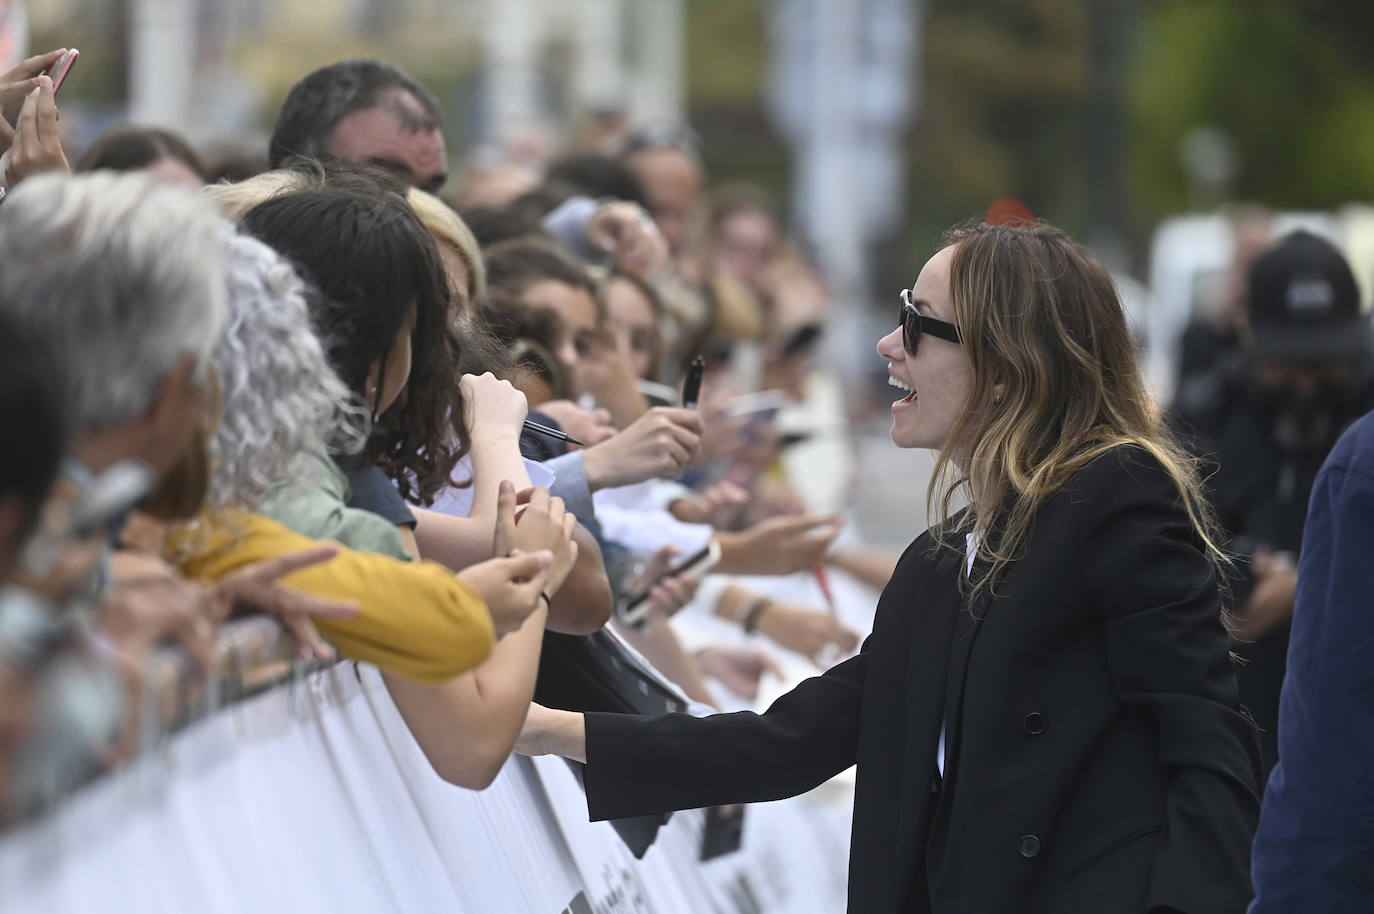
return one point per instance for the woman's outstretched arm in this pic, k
(641, 765)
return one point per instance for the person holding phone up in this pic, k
(29, 138)
(1045, 718)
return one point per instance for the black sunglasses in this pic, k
(914, 323)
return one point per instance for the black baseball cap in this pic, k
(1303, 303)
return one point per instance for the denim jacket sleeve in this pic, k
(1316, 833)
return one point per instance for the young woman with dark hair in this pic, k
(383, 309)
(535, 275)
(634, 311)
(458, 529)
(1046, 717)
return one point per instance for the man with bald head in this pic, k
(364, 111)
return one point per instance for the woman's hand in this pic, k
(149, 600)
(628, 233)
(808, 632)
(493, 405)
(668, 595)
(710, 506)
(739, 669)
(671, 594)
(512, 588)
(16, 85)
(256, 586)
(770, 499)
(36, 145)
(604, 372)
(778, 545)
(541, 523)
(658, 445)
(550, 732)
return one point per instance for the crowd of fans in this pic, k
(435, 426)
(440, 437)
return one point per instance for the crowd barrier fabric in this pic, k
(314, 797)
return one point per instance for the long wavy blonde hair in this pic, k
(1055, 385)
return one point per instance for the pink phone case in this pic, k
(58, 72)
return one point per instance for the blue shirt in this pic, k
(1314, 851)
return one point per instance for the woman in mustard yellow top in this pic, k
(415, 619)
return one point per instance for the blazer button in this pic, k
(1029, 846)
(1035, 723)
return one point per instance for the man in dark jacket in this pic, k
(1316, 834)
(1268, 417)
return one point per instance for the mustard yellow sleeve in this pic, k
(415, 619)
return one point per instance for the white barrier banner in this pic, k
(314, 797)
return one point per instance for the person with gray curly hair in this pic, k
(279, 395)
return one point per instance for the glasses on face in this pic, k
(914, 323)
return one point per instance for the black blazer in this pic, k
(1097, 758)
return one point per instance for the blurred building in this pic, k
(533, 67)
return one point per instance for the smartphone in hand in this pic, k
(59, 70)
(634, 609)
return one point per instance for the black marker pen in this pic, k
(691, 391)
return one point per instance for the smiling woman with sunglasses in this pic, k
(1045, 718)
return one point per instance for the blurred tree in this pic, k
(1004, 92)
(101, 77)
(1291, 84)
(1026, 99)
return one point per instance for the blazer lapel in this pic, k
(967, 625)
(934, 619)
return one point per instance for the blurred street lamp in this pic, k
(844, 83)
(1210, 162)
